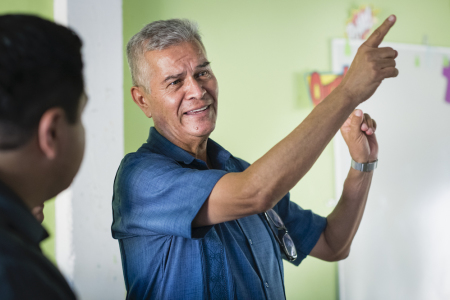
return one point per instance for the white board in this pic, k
(402, 249)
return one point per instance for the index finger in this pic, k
(378, 35)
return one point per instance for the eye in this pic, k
(203, 73)
(175, 82)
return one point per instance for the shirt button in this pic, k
(250, 241)
(267, 285)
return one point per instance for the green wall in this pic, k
(44, 9)
(260, 51)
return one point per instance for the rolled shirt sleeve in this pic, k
(154, 194)
(304, 226)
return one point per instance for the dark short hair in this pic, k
(40, 68)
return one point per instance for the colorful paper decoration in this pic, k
(446, 73)
(321, 85)
(361, 21)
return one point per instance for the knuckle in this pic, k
(371, 56)
(393, 72)
(374, 67)
(376, 33)
(373, 75)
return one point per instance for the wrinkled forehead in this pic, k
(177, 58)
(148, 46)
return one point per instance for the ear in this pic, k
(38, 212)
(140, 97)
(49, 131)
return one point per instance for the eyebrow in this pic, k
(170, 77)
(205, 64)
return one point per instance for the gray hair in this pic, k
(157, 35)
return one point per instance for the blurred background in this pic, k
(261, 52)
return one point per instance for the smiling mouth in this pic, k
(197, 111)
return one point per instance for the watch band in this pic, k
(367, 167)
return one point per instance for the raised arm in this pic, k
(265, 182)
(335, 241)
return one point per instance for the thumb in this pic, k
(356, 121)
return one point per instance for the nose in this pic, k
(194, 90)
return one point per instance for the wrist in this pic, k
(348, 94)
(345, 97)
(365, 160)
(364, 167)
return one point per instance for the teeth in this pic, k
(200, 109)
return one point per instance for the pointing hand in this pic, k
(371, 65)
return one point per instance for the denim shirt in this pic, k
(158, 191)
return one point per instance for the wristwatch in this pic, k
(367, 167)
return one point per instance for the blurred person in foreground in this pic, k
(195, 222)
(41, 146)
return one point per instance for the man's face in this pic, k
(183, 97)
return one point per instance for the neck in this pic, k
(198, 150)
(195, 146)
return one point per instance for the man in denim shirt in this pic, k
(190, 217)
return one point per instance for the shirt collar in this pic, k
(16, 216)
(159, 144)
